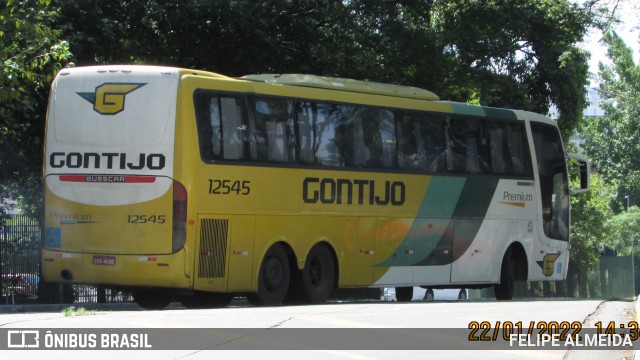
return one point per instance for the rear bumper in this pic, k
(167, 271)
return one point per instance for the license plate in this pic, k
(104, 260)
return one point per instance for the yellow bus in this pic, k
(175, 183)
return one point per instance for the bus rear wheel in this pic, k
(319, 274)
(273, 279)
(404, 293)
(152, 300)
(205, 300)
(504, 290)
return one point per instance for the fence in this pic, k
(20, 280)
(19, 259)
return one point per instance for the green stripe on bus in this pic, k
(482, 111)
(503, 114)
(432, 222)
(465, 109)
(435, 246)
(471, 211)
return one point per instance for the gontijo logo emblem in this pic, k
(108, 99)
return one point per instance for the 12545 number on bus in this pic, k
(226, 187)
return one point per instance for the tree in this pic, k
(521, 53)
(625, 228)
(610, 141)
(517, 54)
(590, 229)
(30, 53)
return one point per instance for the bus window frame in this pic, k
(249, 97)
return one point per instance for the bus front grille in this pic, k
(213, 247)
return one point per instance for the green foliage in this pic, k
(30, 55)
(611, 140)
(624, 228)
(73, 311)
(521, 54)
(589, 227)
(611, 145)
(517, 54)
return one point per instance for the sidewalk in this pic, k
(619, 312)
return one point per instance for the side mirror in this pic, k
(579, 168)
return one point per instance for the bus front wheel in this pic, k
(428, 295)
(504, 290)
(273, 279)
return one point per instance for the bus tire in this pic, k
(404, 293)
(205, 300)
(273, 279)
(152, 300)
(428, 295)
(319, 274)
(462, 295)
(504, 290)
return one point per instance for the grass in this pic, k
(73, 311)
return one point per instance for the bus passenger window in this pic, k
(351, 138)
(468, 146)
(272, 135)
(411, 149)
(457, 146)
(220, 127)
(500, 164)
(509, 149)
(374, 139)
(232, 128)
(421, 142)
(320, 143)
(433, 133)
(387, 128)
(518, 150)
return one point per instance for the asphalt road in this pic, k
(334, 317)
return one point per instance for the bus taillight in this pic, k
(179, 216)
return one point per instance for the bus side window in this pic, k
(272, 135)
(500, 164)
(468, 146)
(518, 149)
(457, 146)
(421, 142)
(318, 136)
(232, 129)
(509, 150)
(373, 142)
(411, 148)
(307, 115)
(208, 121)
(350, 137)
(220, 129)
(433, 133)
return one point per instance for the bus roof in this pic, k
(343, 84)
